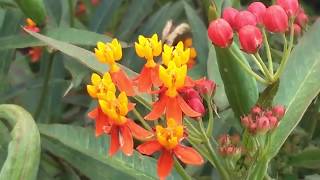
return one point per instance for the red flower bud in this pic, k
(220, 33)
(244, 18)
(256, 110)
(302, 19)
(297, 29)
(290, 6)
(197, 105)
(258, 9)
(276, 19)
(189, 93)
(229, 14)
(273, 121)
(278, 111)
(246, 121)
(250, 38)
(263, 124)
(205, 86)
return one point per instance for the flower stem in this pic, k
(140, 118)
(268, 74)
(211, 119)
(182, 172)
(248, 69)
(268, 50)
(45, 86)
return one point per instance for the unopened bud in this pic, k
(258, 9)
(275, 19)
(197, 105)
(229, 14)
(290, 6)
(250, 38)
(220, 33)
(244, 18)
(278, 111)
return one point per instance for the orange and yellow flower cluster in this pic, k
(167, 81)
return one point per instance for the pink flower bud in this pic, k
(258, 9)
(263, 124)
(256, 110)
(197, 105)
(205, 86)
(253, 128)
(220, 33)
(229, 14)
(278, 111)
(244, 18)
(302, 19)
(189, 93)
(290, 6)
(276, 19)
(268, 113)
(224, 140)
(273, 121)
(246, 121)
(250, 38)
(297, 29)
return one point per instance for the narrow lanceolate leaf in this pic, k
(24, 149)
(241, 88)
(299, 85)
(308, 158)
(69, 35)
(33, 9)
(83, 141)
(200, 41)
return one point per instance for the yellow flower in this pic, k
(109, 53)
(115, 108)
(178, 54)
(170, 136)
(30, 22)
(99, 86)
(148, 48)
(173, 77)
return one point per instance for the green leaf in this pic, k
(33, 9)
(299, 85)
(83, 141)
(240, 87)
(70, 35)
(24, 149)
(200, 41)
(308, 158)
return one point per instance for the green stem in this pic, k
(285, 57)
(248, 69)
(45, 86)
(71, 10)
(258, 64)
(192, 128)
(268, 74)
(267, 49)
(218, 164)
(211, 119)
(181, 170)
(140, 118)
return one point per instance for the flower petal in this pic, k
(165, 164)
(186, 108)
(123, 82)
(144, 80)
(93, 114)
(137, 131)
(127, 141)
(157, 109)
(115, 144)
(188, 155)
(173, 110)
(149, 147)
(155, 76)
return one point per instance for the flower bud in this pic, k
(229, 14)
(197, 105)
(246, 121)
(205, 87)
(278, 111)
(189, 93)
(253, 128)
(244, 18)
(275, 19)
(263, 124)
(220, 33)
(250, 38)
(224, 140)
(297, 29)
(290, 6)
(273, 121)
(302, 19)
(256, 110)
(258, 9)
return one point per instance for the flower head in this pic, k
(178, 54)
(220, 33)
(148, 48)
(109, 53)
(100, 86)
(170, 136)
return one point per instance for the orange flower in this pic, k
(110, 117)
(109, 53)
(35, 54)
(31, 25)
(168, 141)
(170, 102)
(148, 48)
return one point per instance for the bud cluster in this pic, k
(248, 23)
(261, 120)
(229, 145)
